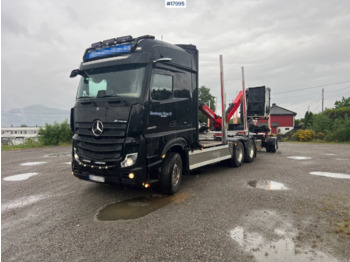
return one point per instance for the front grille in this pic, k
(107, 147)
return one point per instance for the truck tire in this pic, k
(237, 156)
(250, 151)
(272, 145)
(171, 174)
(273, 148)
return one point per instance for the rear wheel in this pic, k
(250, 151)
(237, 156)
(272, 145)
(171, 174)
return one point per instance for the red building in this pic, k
(282, 120)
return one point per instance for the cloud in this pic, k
(284, 45)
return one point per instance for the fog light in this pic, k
(131, 175)
(129, 160)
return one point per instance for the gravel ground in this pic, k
(273, 209)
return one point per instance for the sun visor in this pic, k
(178, 55)
(133, 58)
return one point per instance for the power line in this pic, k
(309, 95)
(295, 90)
(338, 89)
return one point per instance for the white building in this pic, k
(17, 135)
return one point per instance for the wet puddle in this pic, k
(20, 177)
(332, 175)
(32, 163)
(282, 248)
(299, 157)
(22, 202)
(267, 185)
(268, 236)
(138, 207)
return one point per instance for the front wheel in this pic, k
(171, 174)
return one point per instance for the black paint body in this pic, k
(142, 125)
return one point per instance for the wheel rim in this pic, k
(239, 154)
(175, 176)
(251, 151)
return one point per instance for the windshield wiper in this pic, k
(90, 100)
(115, 101)
(108, 96)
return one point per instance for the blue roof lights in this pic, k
(108, 51)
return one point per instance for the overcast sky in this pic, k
(285, 45)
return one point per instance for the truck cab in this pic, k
(136, 108)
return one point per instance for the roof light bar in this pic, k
(108, 51)
(113, 47)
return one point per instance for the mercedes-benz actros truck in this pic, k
(135, 119)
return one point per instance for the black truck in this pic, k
(135, 119)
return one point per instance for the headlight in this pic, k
(129, 160)
(76, 157)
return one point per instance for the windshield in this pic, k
(122, 81)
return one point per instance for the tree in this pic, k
(55, 134)
(205, 96)
(308, 119)
(297, 122)
(321, 123)
(343, 103)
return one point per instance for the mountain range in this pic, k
(35, 115)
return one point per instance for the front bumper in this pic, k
(110, 174)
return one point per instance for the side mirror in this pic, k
(74, 73)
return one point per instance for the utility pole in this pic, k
(322, 98)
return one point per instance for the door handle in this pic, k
(173, 123)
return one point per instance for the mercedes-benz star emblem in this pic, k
(97, 127)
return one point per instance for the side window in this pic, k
(162, 87)
(183, 86)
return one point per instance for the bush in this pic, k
(321, 123)
(303, 135)
(334, 114)
(53, 135)
(341, 130)
(320, 135)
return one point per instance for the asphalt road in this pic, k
(277, 208)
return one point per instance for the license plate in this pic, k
(100, 179)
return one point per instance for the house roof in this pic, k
(277, 110)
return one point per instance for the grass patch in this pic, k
(28, 144)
